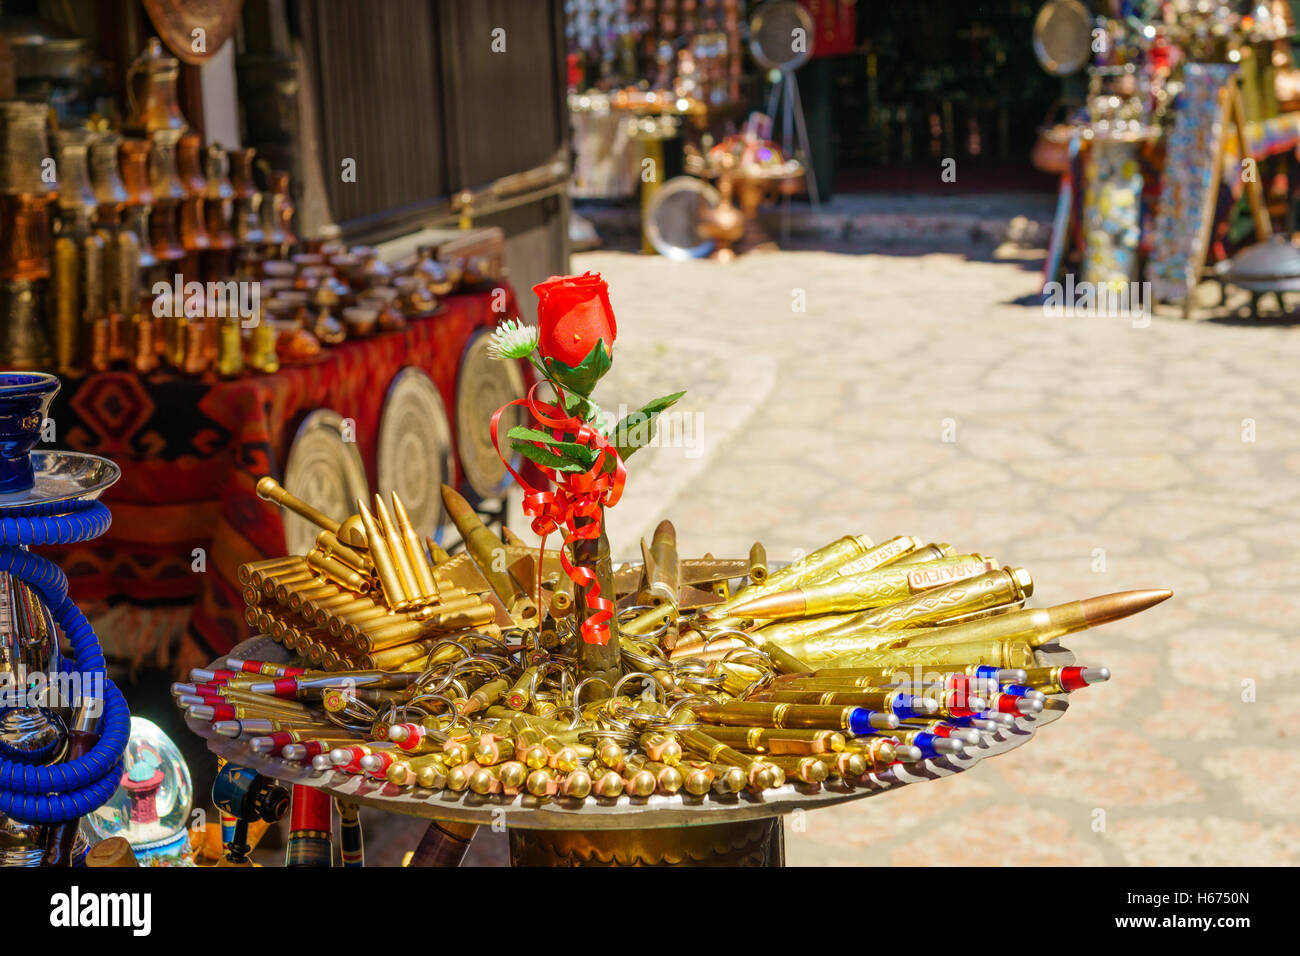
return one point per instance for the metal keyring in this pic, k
(685, 701)
(450, 711)
(644, 678)
(577, 691)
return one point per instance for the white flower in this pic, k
(513, 339)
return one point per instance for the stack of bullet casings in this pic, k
(857, 658)
(373, 602)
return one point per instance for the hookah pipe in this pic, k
(58, 794)
(247, 796)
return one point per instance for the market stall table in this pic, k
(185, 514)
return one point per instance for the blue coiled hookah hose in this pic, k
(62, 792)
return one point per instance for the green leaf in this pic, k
(547, 459)
(581, 378)
(569, 449)
(637, 429)
(524, 433)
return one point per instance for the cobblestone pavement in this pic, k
(914, 396)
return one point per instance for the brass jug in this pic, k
(151, 82)
(72, 147)
(23, 343)
(106, 180)
(24, 148)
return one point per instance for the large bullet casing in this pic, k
(1034, 626)
(981, 593)
(810, 716)
(490, 556)
(887, 552)
(397, 550)
(664, 570)
(925, 554)
(883, 586)
(806, 568)
(992, 653)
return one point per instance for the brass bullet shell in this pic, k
(861, 591)
(807, 770)
(576, 784)
(397, 548)
(341, 626)
(437, 553)
(414, 630)
(338, 572)
(426, 585)
(345, 601)
(663, 568)
(297, 598)
(488, 553)
(562, 602)
(837, 552)
(925, 554)
(328, 544)
(271, 584)
(385, 570)
(757, 563)
(245, 571)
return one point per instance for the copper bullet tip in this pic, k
(1111, 607)
(665, 530)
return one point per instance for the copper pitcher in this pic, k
(25, 236)
(168, 193)
(194, 231)
(151, 83)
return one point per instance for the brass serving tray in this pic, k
(623, 813)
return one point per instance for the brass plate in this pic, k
(176, 21)
(415, 456)
(324, 469)
(483, 385)
(1062, 35)
(624, 813)
(672, 220)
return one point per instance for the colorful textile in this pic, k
(192, 451)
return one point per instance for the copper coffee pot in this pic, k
(168, 194)
(151, 83)
(134, 156)
(218, 213)
(194, 231)
(27, 186)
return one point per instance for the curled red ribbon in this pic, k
(577, 495)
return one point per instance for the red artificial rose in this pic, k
(573, 314)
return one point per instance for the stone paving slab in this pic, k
(913, 395)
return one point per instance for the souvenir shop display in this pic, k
(1181, 96)
(661, 711)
